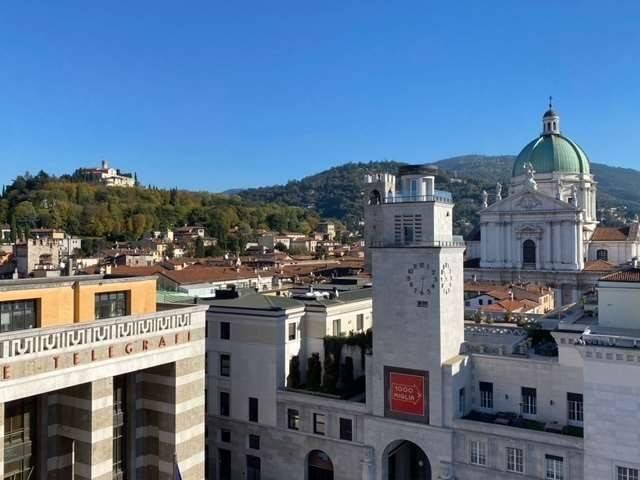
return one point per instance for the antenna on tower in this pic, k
(550, 102)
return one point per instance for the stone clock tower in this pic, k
(418, 306)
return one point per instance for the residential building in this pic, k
(5, 233)
(96, 383)
(326, 231)
(202, 282)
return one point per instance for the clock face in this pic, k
(421, 279)
(446, 278)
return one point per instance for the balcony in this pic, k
(438, 196)
(511, 419)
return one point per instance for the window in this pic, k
(529, 252)
(19, 433)
(292, 331)
(489, 302)
(346, 429)
(224, 404)
(575, 407)
(478, 452)
(408, 234)
(515, 460)
(462, 407)
(553, 467)
(480, 302)
(119, 429)
(253, 409)
(318, 424)
(336, 327)
(467, 303)
(360, 321)
(225, 435)
(112, 304)
(254, 442)
(18, 315)
(224, 461)
(486, 395)
(253, 468)
(293, 419)
(602, 254)
(528, 405)
(225, 330)
(225, 365)
(626, 473)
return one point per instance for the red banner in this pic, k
(407, 394)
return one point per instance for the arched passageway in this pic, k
(319, 466)
(405, 460)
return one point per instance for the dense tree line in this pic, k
(94, 210)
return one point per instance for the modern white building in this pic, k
(545, 229)
(443, 400)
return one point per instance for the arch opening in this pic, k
(375, 198)
(404, 460)
(319, 466)
(529, 253)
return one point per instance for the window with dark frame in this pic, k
(225, 365)
(111, 304)
(360, 321)
(336, 327)
(627, 473)
(253, 468)
(486, 395)
(528, 405)
(319, 424)
(253, 409)
(575, 407)
(224, 464)
(18, 315)
(225, 330)
(292, 331)
(224, 404)
(515, 460)
(553, 467)
(19, 439)
(293, 419)
(225, 435)
(346, 429)
(254, 442)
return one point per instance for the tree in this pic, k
(330, 379)
(199, 248)
(25, 215)
(314, 372)
(281, 247)
(293, 379)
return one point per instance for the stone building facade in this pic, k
(443, 399)
(95, 383)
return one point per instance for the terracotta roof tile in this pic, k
(631, 275)
(599, 266)
(194, 275)
(611, 234)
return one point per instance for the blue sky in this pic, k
(215, 94)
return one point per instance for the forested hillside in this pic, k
(94, 210)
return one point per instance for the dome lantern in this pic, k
(550, 121)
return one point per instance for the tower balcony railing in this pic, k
(438, 196)
(455, 241)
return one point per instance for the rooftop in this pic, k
(631, 275)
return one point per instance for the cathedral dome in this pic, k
(551, 151)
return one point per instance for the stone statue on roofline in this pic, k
(530, 182)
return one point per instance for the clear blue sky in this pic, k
(220, 94)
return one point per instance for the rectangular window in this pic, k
(408, 234)
(486, 395)
(462, 402)
(575, 408)
(515, 460)
(19, 433)
(318, 424)
(478, 452)
(480, 302)
(254, 442)
(528, 405)
(224, 404)
(253, 409)
(225, 435)
(346, 429)
(336, 327)
(293, 419)
(225, 365)
(19, 315)
(360, 322)
(253, 468)
(224, 464)
(225, 330)
(626, 473)
(292, 331)
(553, 467)
(119, 430)
(112, 304)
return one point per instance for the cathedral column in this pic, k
(557, 244)
(547, 246)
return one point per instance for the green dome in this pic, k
(552, 153)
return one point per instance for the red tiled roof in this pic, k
(631, 275)
(145, 271)
(610, 234)
(193, 275)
